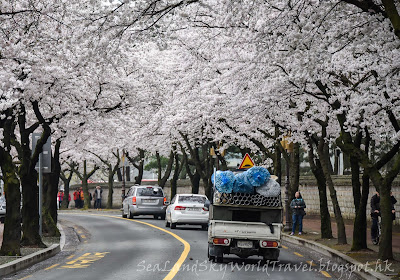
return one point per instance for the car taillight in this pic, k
(165, 200)
(180, 208)
(134, 200)
(266, 243)
(221, 241)
(205, 209)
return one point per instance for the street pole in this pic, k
(123, 175)
(40, 193)
(288, 225)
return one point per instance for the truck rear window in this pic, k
(150, 192)
(198, 199)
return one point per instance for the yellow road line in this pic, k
(297, 254)
(53, 266)
(311, 263)
(326, 274)
(26, 277)
(284, 247)
(182, 258)
(70, 257)
(83, 236)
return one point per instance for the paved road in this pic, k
(105, 246)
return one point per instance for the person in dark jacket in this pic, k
(298, 206)
(97, 197)
(375, 212)
(394, 201)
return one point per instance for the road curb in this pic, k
(336, 256)
(34, 258)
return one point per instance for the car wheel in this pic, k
(220, 259)
(124, 215)
(163, 217)
(130, 215)
(173, 225)
(167, 224)
(204, 227)
(155, 217)
(210, 258)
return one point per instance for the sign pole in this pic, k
(40, 193)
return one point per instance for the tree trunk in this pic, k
(84, 178)
(278, 157)
(324, 158)
(294, 174)
(316, 168)
(66, 181)
(175, 177)
(119, 175)
(49, 219)
(278, 165)
(140, 167)
(30, 215)
(110, 187)
(12, 227)
(195, 176)
(360, 221)
(163, 179)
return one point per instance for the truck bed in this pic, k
(241, 230)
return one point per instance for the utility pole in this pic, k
(288, 146)
(123, 175)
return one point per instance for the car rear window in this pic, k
(150, 191)
(199, 199)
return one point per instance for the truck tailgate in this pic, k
(245, 230)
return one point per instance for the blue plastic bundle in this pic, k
(223, 181)
(241, 185)
(257, 176)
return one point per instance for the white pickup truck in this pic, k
(244, 230)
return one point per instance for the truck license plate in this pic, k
(245, 244)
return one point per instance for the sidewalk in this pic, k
(312, 231)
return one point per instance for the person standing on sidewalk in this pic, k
(375, 213)
(81, 197)
(394, 201)
(298, 206)
(77, 198)
(60, 197)
(97, 197)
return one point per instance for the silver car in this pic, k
(144, 200)
(189, 209)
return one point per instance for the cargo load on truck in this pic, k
(245, 215)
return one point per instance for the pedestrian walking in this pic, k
(60, 197)
(298, 206)
(97, 197)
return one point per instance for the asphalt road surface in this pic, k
(101, 245)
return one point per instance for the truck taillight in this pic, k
(180, 208)
(165, 200)
(221, 241)
(134, 200)
(266, 243)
